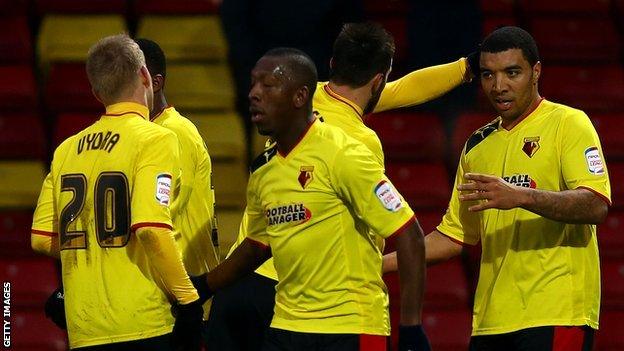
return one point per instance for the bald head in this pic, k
(296, 67)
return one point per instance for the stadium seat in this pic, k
(448, 330)
(423, 185)
(200, 87)
(15, 7)
(397, 26)
(611, 235)
(228, 222)
(32, 331)
(428, 220)
(44, 7)
(20, 183)
(591, 8)
(609, 127)
(465, 125)
(610, 337)
(616, 177)
(15, 42)
(497, 7)
(186, 38)
(409, 136)
(490, 24)
(168, 7)
(224, 135)
(592, 88)
(230, 183)
(15, 229)
(18, 90)
(69, 37)
(612, 289)
(68, 89)
(68, 124)
(570, 40)
(447, 287)
(21, 136)
(32, 280)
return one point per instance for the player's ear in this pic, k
(301, 97)
(331, 63)
(377, 81)
(537, 70)
(158, 82)
(146, 78)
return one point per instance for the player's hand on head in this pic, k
(413, 338)
(55, 308)
(490, 191)
(474, 67)
(186, 335)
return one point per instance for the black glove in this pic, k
(473, 62)
(200, 284)
(413, 338)
(55, 308)
(187, 329)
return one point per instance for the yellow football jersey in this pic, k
(316, 208)
(534, 271)
(414, 88)
(115, 176)
(192, 210)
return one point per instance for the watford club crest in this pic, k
(531, 145)
(306, 174)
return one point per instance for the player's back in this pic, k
(111, 293)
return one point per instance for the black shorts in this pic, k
(550, 338)
(240, 315)
(157, 343)
(285, 340)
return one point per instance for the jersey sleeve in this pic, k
(156, 175)
(458, 223)
(582, 161)
(360, 181)
(422, 85)
(254, 222)
(45, 218)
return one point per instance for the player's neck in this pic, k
(288, 139)
(359, 96)
(160, 103)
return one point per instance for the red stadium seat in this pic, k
(168, 7)
(428, 220)
(15, 42)
(597, 8)
(18, 90)
(497, 7)
(612, 284)
(43, 7)
(610, 337)
(21, 136)
(611, 235)
(465, 125)
(31, 331)
(447, 287)
(68, 124)
(492, 23)
(409, 136)
(448, 330)
(568, 40)
(15, 229)
(397, 26)
(68, 89)
(423, 185)
(32, 280)
(14, 7)
(591, 88)
(609, 127)
(616, 176)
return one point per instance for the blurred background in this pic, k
(212, 45)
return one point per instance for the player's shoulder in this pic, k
(558, 112)
(263, 159)
(481, 134)
(183, 127)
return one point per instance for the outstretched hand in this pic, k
(493, 191)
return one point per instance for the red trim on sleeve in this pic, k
(403, 227)
(150, 224)
(257, 243)
(604, 198)
(42, 232)
(455, 240)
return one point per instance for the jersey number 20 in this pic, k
(111, 206)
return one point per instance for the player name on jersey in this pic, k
(287, 214)
(98, 141)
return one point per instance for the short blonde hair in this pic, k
(112, 66)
